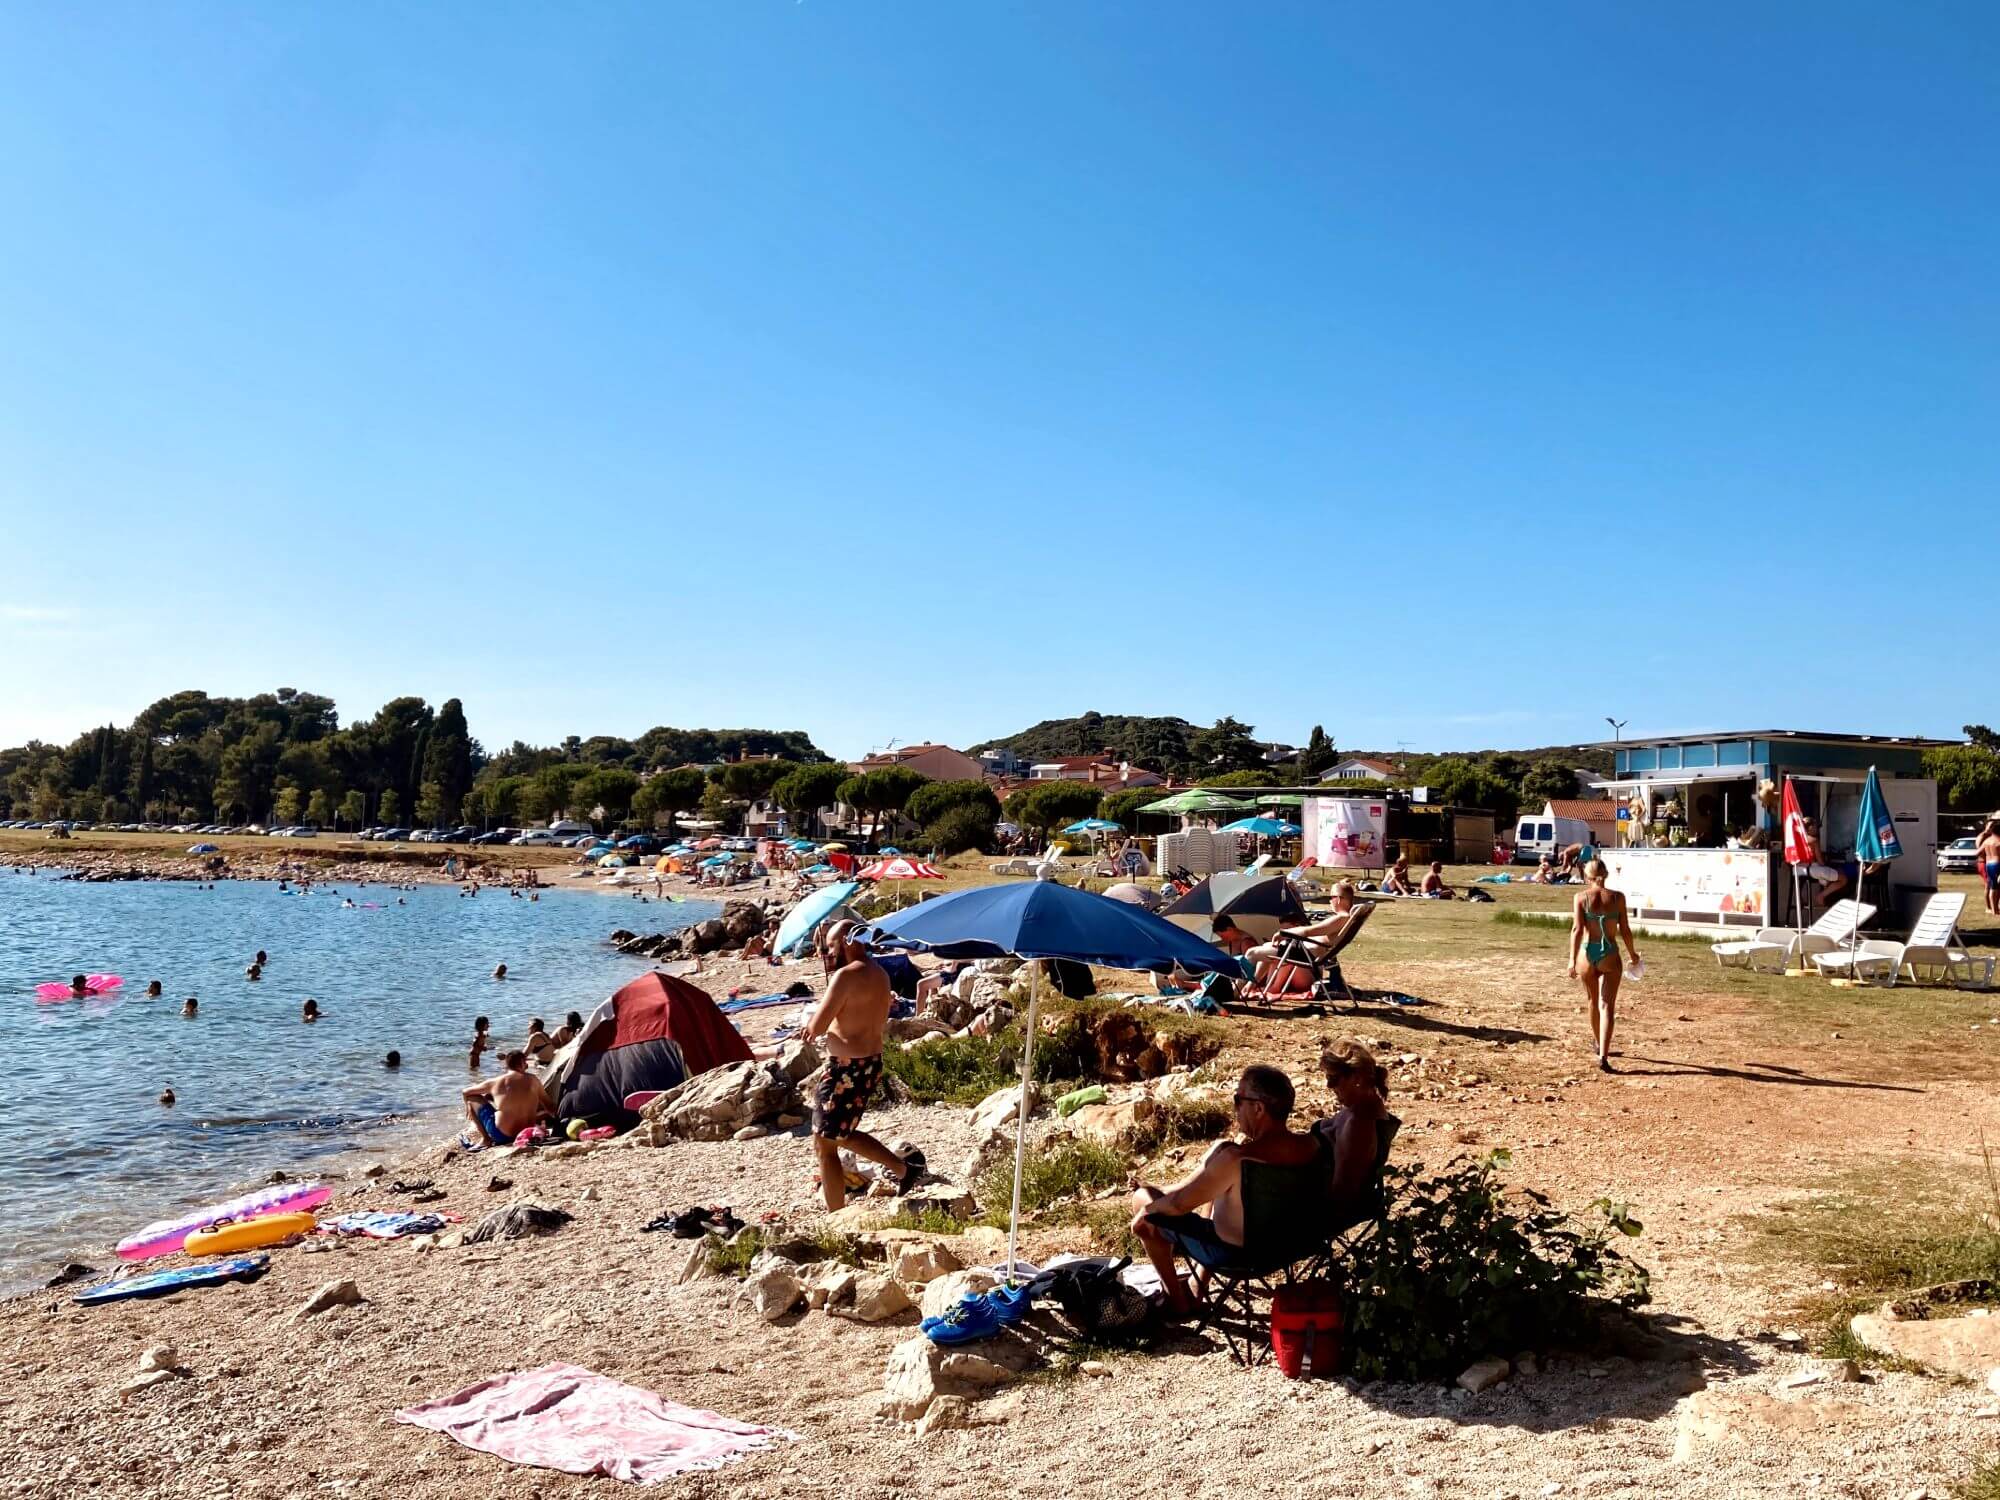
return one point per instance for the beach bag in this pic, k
(1098, 1303)
(1305, 1330)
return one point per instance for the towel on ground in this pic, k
(386, 1226)
(572, 1419)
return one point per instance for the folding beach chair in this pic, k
(1309, 970)
(1291, 1234)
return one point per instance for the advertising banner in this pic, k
(1347, 832)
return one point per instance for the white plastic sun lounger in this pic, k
(1775, 948)
(1934, 952)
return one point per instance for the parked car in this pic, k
(497, 836)
(394, 835)
(542, 837)
(1959, 857)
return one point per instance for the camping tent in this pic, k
(656, 1032)
(1260, 906)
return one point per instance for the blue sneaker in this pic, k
(973, 1319)
(1011, 1304)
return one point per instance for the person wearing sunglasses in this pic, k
(1170, 1221)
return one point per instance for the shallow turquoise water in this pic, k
(90, 1154)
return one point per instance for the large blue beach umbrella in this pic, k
(1094, 825)
(1044, 919)
(1875, 839)
(803, 920)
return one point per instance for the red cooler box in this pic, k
(1305, 1330)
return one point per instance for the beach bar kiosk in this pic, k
(1700, 837)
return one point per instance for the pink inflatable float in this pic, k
(93, 984)
(167, 1236)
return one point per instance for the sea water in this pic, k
(88, 1154)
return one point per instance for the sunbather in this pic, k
(1318, 936)
(1168, 1221)
(1397, 881)
(1434, 887)
(505, 1106)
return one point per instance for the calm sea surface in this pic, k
(87, 1154)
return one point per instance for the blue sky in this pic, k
(916, 370)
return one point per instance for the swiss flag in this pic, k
(1798, 849)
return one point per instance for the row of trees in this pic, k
(284, 757)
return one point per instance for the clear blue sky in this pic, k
(893, 368)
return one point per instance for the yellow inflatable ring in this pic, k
(248, 1234)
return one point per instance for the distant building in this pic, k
(1601, 813)
(1360, 768)
(1000, 762)
(1113, 776)
(764, 820)
(934, 762)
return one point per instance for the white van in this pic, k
(1537, 834)
(569, 827)
(535, 836)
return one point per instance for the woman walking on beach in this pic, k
(1598, 914)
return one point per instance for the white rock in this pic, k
(1822, 1372)
(1095, 1367)
(333, 1294)
(1482, 1375)
(876, 1298)
(1724, 1414)
(922, 1264)
(772, 1289)
(945, 1293)
(1993, 1381)
(1966, 1347)
(919, 1372)
(590, 1195)
(1001, 1107)
(159, 1357)
(143, 1382)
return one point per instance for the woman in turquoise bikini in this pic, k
(1599, 913)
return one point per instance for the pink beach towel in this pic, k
(569, 1418)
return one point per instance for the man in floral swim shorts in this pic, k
(852, 1019)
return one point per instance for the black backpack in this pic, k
(1097, 1301)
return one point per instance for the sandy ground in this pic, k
(1710, 1120)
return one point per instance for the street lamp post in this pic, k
(1617, 727)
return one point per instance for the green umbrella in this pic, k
(1198, 800)
(1282, 799)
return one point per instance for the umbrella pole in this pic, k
(1021, 1117)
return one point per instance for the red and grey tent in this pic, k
(655, 1033)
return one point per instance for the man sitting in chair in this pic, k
(1168, 1221)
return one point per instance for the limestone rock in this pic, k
(333, 1294)
(945, 1412)
(695, 1264)
(1965, 1347)
(1113, 1124)
(876, 1299)
(919, 1372)
(864, 1214)
(1721, 1414)
(834, 1285)
(800, 1060)
(159, 1357)
(752, 1133)
(772, 1288)
(923, 1263)
(713, 1106)
(947, 1291)
(143, 1382)
(1001, 1107)
(1822, 1372)
(1482, 1375)
(1096, 1368)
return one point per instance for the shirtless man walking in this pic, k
(505, 1106)
(1989, 864)
(851, 1018)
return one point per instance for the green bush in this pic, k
(1058, 1170)
(965, 1069)
(1454, 1271)
(958, 829)
(733, 1257)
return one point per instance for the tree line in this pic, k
(284, 757)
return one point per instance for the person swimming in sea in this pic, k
(499, 971)
(167, 1096)
(188, 1008)
(79, 988)
(254, 972)
(153, 989)
(393, 1060)
(309, 1012)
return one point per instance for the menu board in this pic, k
(1692, 883)
(1347, 832)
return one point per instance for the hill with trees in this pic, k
(285, 757)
